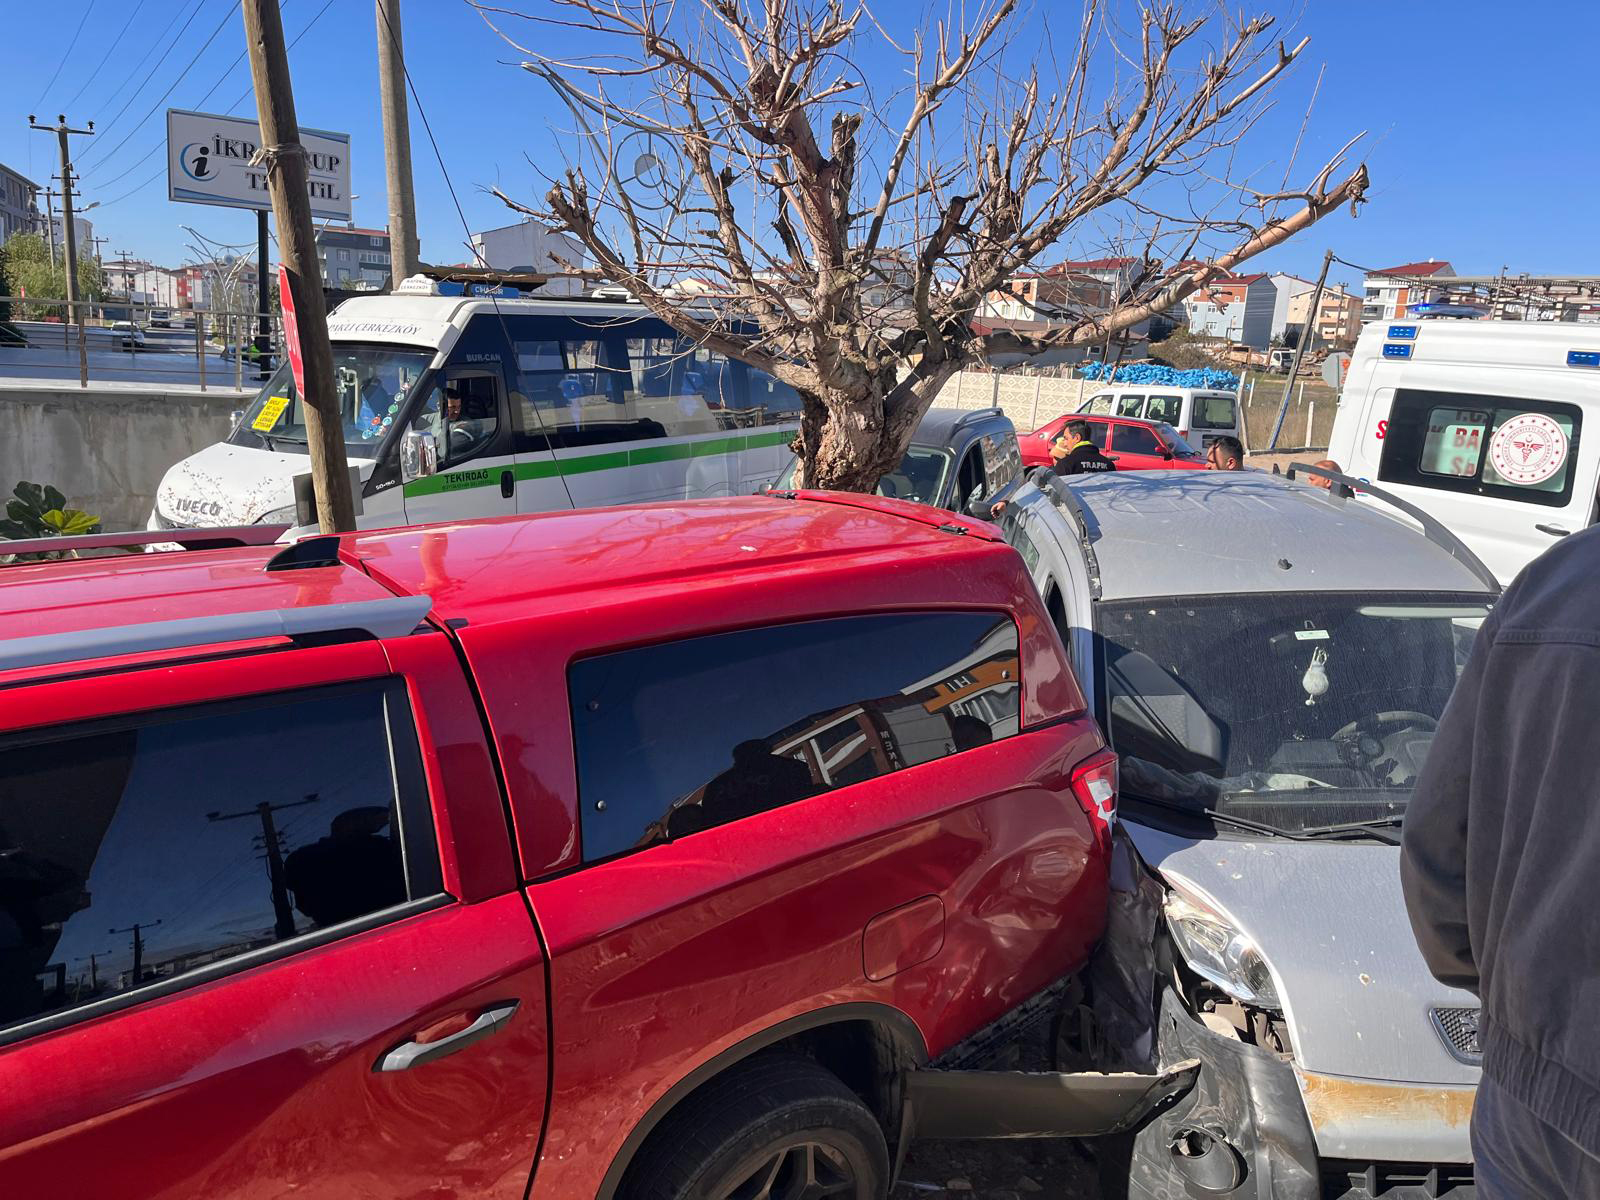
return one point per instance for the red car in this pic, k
(642, 852)
(1135, 444)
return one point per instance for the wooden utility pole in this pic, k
(1300, 350)
(69, 235)
(283, 911)
(285, 161)
(403, 248)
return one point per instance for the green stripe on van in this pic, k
(467, 478)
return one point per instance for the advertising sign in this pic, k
(208, 162)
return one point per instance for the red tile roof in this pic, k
(1431, 267)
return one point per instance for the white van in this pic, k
(1482, 425)
(1200, 415)
(459, 406)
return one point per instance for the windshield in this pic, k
(1293, 711)
(373, 384)
(919, 477)
(1181, 448)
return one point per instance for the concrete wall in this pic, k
(1029, 400)
(105, 449)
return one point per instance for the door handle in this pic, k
(423, 1049)
(1554, 530)
(508, 485)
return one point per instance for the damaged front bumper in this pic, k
(1255, 1126)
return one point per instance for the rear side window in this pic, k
(139, 852)
(679, 737)
(1164, 408)
(1097, 433)
(1214, 412)
(1482, 445)
(1130, 406)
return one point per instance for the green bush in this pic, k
(41, 512)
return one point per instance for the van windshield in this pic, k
(373, 384)
(1296, 711)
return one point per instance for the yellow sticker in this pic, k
(269, 414)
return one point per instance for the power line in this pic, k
(133, 75)
(71, 46)
(152, 110)
(233, 66)
(116, 42)
(134, 95)
(162, 170)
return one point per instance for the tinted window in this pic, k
(1002, 461)
(1164, 408)
(1129, 406)
(1097, 432)
(676, 738)
(1134, 439)
(134, 852)
(772, 402)
(570, 388)
(684, 388)
(462, 411)
(1214, 412)
(1482, 445)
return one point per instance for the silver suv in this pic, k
(1270, 660)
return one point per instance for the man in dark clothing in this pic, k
(1071, 454)
(1500, 862)
(1075, 454)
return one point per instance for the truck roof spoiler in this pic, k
(215, 538)
(1431, 527)
(393, 616)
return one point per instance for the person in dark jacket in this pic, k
(1500, 864)
(1071, 454)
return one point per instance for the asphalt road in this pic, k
(168, 357)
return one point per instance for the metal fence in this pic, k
(106, 341)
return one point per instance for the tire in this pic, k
(775, 1127)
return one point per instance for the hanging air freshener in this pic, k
(1315, 680)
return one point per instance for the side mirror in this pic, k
(419, 455)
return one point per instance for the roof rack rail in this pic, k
(1062, 496)
(393, 616)
(1431, 527)
(215, 538)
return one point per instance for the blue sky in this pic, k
(1480, 145)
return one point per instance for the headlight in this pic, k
(1217, 951)
(289, 514)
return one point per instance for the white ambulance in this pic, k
(474, 406)
(1489, 426)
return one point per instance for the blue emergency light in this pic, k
(1397, 350)
(1403, 331)
(1583, 358)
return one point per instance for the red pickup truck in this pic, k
(665, 851)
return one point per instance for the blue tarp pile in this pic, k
(1150, 373)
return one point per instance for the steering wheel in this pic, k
(1359, 744)
(1373, 721)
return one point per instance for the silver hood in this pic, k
(1330, 919)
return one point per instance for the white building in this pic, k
(1391, 291)
(531, 248)
(1288, 286)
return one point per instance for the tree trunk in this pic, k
(847, 443)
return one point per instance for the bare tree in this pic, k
(741, 176)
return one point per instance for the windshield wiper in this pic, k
(1220, 818)
(1344, 829)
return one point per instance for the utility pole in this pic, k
(138, 946)
(283, 911)
(263, 297)
(403, 248)
(1300, 350)
(69, 236)
(50, 223)
(285, 161)
(99, 262)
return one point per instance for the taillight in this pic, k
(1094, 783)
